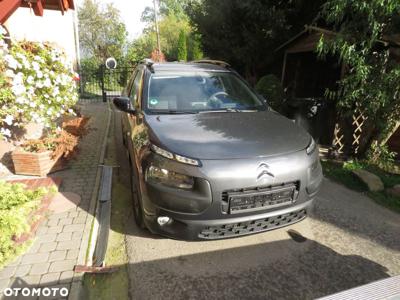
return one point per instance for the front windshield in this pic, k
(197, 91)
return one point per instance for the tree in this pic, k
(246, 32)
(101, 34)
(173, 20)
(364, 29)
(182, 48)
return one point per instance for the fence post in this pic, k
(103, 92)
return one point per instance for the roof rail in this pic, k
(148, 62)
(211, 61)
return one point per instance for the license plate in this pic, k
(260, 200)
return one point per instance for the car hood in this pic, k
(227, 135)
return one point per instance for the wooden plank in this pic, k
(7, 8)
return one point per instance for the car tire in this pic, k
(136, 200)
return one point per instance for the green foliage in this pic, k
(270, 87)
(372, 76)
(16, 203)
(101, 33)
(182, 48)
(343, 174)
(246, 32)
(173, 20)
(380, 155)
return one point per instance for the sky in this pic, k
(131, 11)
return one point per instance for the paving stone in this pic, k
(72, 254)
(74, 228)
(73, 214)
(31, 280)
(49, 279)
(4, 283)
(7, 272)
(57, 255)
(51, 223)
(41, 230)
(80, 220)
(35, 258)
(77, 235)
(65, 221)
(39, 269)
(68, 245)
(66, 276)
(47, 238)
(34, 248)
(16, 262)
(55, 229)
(22, 270)
(48, 247)
(64, 236)
(61, 266)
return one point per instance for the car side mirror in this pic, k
(124, 104)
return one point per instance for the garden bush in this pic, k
(16, 205)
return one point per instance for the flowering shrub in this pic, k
(36, 85)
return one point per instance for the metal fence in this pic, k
(103, 84)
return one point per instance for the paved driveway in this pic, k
(350, 241)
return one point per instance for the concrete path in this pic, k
(61, 239)
(350, 241)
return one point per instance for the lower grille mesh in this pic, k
(243, 228)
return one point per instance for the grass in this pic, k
(113, 285)
(343, 175)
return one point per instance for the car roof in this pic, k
(179, 66)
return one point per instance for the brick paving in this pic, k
(50, 260)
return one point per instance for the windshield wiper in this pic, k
(174, 112)
(228, 110)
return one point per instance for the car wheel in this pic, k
(136, 201)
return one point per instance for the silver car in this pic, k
(209, 158)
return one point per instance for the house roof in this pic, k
(307, 40)
(8, 7)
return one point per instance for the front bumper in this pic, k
(189, 229)
(201, 214)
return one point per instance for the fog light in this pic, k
(163, 220)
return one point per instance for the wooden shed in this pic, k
(306, 77)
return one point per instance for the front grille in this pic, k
(249, 227)
(259, 198)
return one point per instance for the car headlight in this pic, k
(179, 158)
(311, 147)
(168, 178)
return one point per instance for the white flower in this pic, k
(41, 106)
(9, 120)
(35, 66)
(49, 111)
(5, 132)
(20, 100)
(39, 84)
(18, 79)
(39, 74)
(47, 82)
(9, 73)
(46, 95)
(32, 104)
(56, 91)
(11, 61)
(18, 89)
(29, 79)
